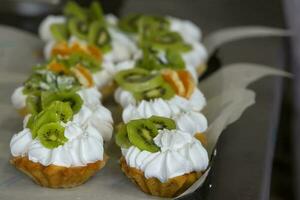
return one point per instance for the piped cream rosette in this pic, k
(61, 145)
(159, 157)
(167, 42)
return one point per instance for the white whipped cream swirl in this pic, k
(187, 29)
(166, 108)
(18, 98)
(44, 28)
(191, 122)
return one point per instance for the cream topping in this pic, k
(180, 154)
(187, 29)
(195, 57)
(18, 99)
(111, 19)
(93, 113)
(123, 48)
(44, 28)
(84, 145)
(191, 122)
(166, 108)
(98, 117)
(90, 96)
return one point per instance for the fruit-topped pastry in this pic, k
(160, 158)
(166, 41)
(61, 144)
(165, 93)
(88, 31)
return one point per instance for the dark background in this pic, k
(257, 164)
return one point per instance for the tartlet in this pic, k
(166, 42)
(62, 143)
(161, 159)
(116, 49)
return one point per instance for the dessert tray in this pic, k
(113, 107)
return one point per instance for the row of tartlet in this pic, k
(151, 64)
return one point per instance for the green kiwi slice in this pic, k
(122, 137)
(42, 118)
(73, 10)
(99, 36)
(51, 135)
(164, 40)
(137, 79)
(96, 12)
(30, 122)
(175, 59)
(33, 104)
(152, 61)
(163, 23)
(78, 28)
(62, 109)
(150, 24)
(164, 91)
(141, 133)
(87, 61)
(163, 122)
(59, 32)
(129, 23)
(73, 99)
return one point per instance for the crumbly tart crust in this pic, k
(201, 69)
(202, 138)
(153, 186)
(108, 90)
(23, 111)
(54, 176)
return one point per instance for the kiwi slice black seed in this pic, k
(137, 79)
(141, 133)
(122, 137)
(73, 10)
(163, 122)
(51, 135)
(59, 32)
(99, 36)
(73, 99)
(33, 105)
(78, 28)
(42, 118)
(62, 109)
(129, 23)
(164, 91)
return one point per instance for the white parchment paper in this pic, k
(226, 92)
